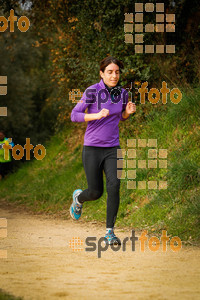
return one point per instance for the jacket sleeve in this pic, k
(78, 112)
(125, 101)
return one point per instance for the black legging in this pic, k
(95, 160)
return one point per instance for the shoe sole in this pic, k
(71, 206)
(72, 215)
(107, 243)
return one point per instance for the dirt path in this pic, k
(41, 265)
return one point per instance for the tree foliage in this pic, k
(63, 48)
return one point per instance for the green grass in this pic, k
(47, 185)
(6, 296)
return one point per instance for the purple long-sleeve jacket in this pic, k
(103, 132)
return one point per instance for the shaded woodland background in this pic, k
(62, 49)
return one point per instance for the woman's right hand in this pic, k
(103, 113)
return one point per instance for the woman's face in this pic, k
(111, 75)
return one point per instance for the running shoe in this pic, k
(76, 208)
(111, 239)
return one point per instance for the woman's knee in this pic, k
(114, 185)
(95, 194)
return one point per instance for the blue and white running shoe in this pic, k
(111, 239)
(76, 207)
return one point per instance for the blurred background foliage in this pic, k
(62, 49)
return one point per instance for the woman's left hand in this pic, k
(130, 108)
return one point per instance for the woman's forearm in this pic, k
(125, 115)
(90, 117)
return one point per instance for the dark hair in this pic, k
(108, 60)
(2, 131)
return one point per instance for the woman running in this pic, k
(107, 104)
